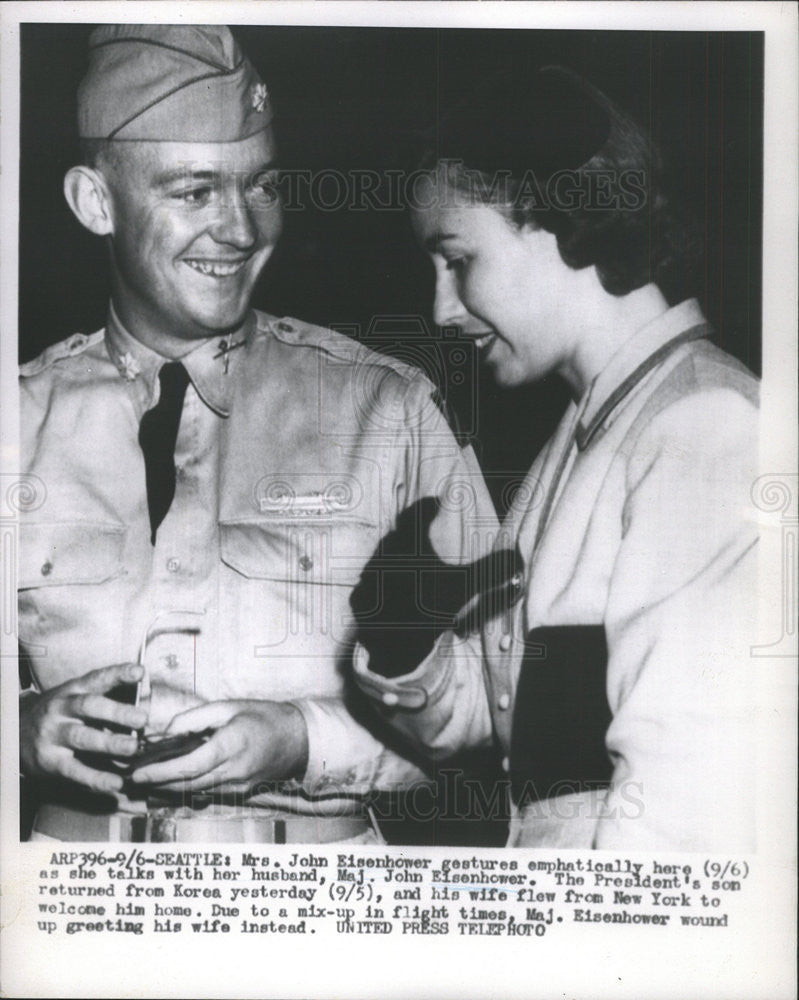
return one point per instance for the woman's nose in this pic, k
(448, 310)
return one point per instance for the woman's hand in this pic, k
(255, 741)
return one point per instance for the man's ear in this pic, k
(88, 196)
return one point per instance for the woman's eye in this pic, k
(456, 263)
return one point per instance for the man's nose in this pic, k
(448, 310)
(235, 224)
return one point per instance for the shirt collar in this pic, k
(210, 364)
(635, 359)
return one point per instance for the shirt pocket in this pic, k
(287, 595)
(72, 597)
(322, 552)
(71, 552)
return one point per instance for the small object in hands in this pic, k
(160, 747)
(154, 747)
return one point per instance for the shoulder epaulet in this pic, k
(69, 348)
(338, 345)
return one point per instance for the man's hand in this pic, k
(59, 723)
(255, 741)
(164, 702)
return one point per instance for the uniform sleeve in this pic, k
(680, 620)
(346, 756)
(441, 707)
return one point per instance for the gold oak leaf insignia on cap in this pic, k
(259, 96)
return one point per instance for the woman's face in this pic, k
(506, 288)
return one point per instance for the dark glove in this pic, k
(407, 596)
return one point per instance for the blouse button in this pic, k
(390, 698)
(47, 568)
(173, 565)
(506, 764)
(504, 701)
(505, 642)
(306, 563)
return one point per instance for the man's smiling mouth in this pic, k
(216, 268)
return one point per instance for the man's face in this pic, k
(193, 225)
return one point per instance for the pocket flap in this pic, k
(51, 554)
(304, 550)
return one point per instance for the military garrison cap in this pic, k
(168, 82)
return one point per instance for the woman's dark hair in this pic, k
(557, 153)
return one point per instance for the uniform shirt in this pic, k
(636, 516)
(296, 450)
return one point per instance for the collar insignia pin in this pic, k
(224, 349)
(129, 366)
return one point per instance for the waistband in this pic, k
(170, 825)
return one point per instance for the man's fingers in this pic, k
(164, 703)
(179, 769)
(104, 678)
(212, 715)
(55, 730)
(216, 779)
(101, 709)
(97, 781)
(80, 737)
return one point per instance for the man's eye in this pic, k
(195, 195)
(456, 263)
(264, 191)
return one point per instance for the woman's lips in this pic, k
(482, 341)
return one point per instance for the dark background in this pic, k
(349, 98)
